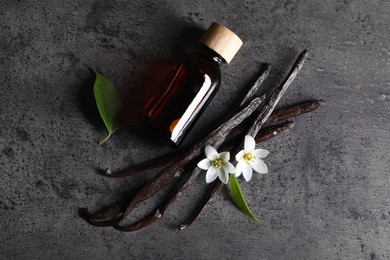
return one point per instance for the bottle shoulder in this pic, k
(204, 57)
(206, 65)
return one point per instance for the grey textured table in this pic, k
(327, 194)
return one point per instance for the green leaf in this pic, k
(238, 198)
(108, 103)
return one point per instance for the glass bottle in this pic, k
(190, 86)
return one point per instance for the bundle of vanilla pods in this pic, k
(255, 117)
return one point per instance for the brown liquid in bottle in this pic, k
(188, 89)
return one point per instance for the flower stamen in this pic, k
(249, 157)
(217, 163)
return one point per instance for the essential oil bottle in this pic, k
(189, 87)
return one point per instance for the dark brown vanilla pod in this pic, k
(172, 111)
(273, 100)
(292, 111)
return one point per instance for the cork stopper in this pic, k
(221, 40)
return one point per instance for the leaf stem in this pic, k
(105, 138)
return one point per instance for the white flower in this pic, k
(217, 165)
(249, 159)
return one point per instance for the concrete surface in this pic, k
(327, 194)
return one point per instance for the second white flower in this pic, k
(249, 159)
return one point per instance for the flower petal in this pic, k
(211, 174)
(239, 155)
(260, 153)
(247, 172)
(225, 156)
(259, 166)
(223, 175)
(228, 166)
(239, 167)
(204, 164)
(210, 152)
(249, 143)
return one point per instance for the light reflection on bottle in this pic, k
(179, 126)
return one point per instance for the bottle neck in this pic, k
(211, 55)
